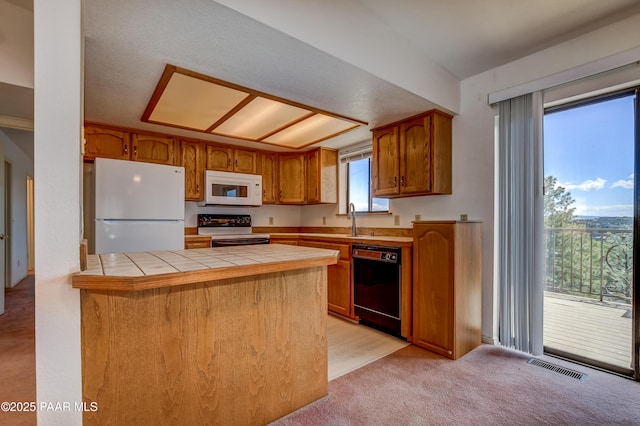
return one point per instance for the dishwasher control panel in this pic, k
(376, 253)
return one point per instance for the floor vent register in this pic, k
(558, 369)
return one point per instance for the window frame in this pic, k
(370, 196)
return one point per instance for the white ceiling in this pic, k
(129, 42)
(468, 37)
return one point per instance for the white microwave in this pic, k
(231, 189)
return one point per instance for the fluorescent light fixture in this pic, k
(193, 101)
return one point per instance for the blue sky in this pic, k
(590, 151)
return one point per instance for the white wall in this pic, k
(16, 45)
(21, 167)
(57, 206)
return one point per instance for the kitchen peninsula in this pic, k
(220, 335)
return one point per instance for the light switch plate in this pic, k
(418, 217)
(396, 220)
(270, 220)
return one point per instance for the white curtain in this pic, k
(520, 227)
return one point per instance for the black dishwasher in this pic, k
(376, 286)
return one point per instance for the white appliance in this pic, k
(138, 206)
(232, 189)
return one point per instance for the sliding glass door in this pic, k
(589, 217)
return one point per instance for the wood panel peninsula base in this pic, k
(239, 350)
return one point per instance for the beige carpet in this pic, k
(488, 386)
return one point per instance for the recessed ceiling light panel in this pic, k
(195, 101)
(313, 129)
(259, 118)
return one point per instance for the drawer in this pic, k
(193, 242)
(345, 253)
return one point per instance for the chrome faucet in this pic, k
(352, 209)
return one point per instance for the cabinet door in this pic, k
(313, 176)
(219, 158)
(269, 178)
(291, 179)
(245, 161)
(339, 289)
(385, 166)
(433, 287)
(193, 172)
(153, 149)
(415, 156)
(106, 143)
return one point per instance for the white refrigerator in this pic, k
(138, 206)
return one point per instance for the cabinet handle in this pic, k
(264, 192)
(126, 149)
(229, 163)
(395, 181)
(135, 151)
(402, 181)
(236, 164)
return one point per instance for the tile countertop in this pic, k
(348, 238)
(146, 270)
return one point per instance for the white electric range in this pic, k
(229, 230)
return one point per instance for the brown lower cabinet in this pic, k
(447, 286)
(339, 285)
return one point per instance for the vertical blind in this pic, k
(520, 223)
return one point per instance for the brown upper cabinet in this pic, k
(269, 172)
(292, 178)
(413, 156)
(322, 176)
(227, 159)
(153, 149)
(191, 159)
(287, 178)
(107, 142)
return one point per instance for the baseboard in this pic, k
(489, 340)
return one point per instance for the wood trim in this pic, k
(281, 128)
(168, 72)
(397, 122)
(84, 254)
(157, 93)
(261, 94)
(231, 112)
(114, 283)
(191, 230)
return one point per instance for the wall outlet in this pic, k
(270, 220)
(418, 217)
(324, 220)
(396, 220)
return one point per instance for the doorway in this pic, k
(590, 210)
